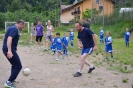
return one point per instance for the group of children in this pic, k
(61, 44)
(109, 40)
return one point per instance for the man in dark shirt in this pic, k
(87, 40)
(9, 49)
(85, 23)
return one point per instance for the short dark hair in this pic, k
(80, 23)
(20, 21)
(39, 21)
(58, 33)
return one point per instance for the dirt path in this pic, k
(48, 73)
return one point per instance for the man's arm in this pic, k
(79, 44)
(52, 29)
(95, 41)
(9, 43)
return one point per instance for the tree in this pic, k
(87, 13)
(15, 5)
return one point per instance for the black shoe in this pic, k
(77, 74)
(91, 69)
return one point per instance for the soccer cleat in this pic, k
(77, 74)
(9, 85)
(63, 56)
(91, 69)
(57, 59)
(106, 59)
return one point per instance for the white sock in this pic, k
(7, 81)
(91, 66)
(79, 71)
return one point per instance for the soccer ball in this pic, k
(26, 72)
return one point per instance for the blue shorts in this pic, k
(71, 39)
(87, 51)
(49, 38)
(127, 40)
(58, 48)
(53, 47)
(109, 49)
(101, 37)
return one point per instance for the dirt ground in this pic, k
(48, 73)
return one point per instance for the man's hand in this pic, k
(81, 46)
(95, 48)
(9, 55)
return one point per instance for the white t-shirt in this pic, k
(49, 29)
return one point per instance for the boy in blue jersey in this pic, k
(65, 44)
(71, 37)
(58, 45)
(101, 35)
(127, 37)
(108, 42)
(53, 44)
(87, 40)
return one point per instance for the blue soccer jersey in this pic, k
(58, 44)
(108, 41)
(127, 36)
(101, 34)
(53, 45)
(65, 41)
(71, 36)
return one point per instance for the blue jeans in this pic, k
(16, 65)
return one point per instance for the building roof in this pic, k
(65, 6)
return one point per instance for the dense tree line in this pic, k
(31, 5)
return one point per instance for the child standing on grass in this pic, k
(53, 44)
(101, 35)
(65, 44)
(71, 37)
(108, 42)
(58, 45)
(127, 37)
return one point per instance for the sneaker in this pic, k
(91, 69)
(63, 56)
(57, 59)
(9, 85)
(39, 47)
(46, 49)
(106, 59)
(77, 74)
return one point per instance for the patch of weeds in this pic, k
(89, 77)
(96, 81)
(94, 56)
(85, 84)
(53, 63)
(1, 37)
(99, 78)
(115, 86)
(116, 73)
(97, 53)
(125, 71)
(102, 54)
(125, 80)
(113, 68)
(70, 63)
(132, 85)
(102, 83)
(77, 56)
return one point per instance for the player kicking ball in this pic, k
(87, 40)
